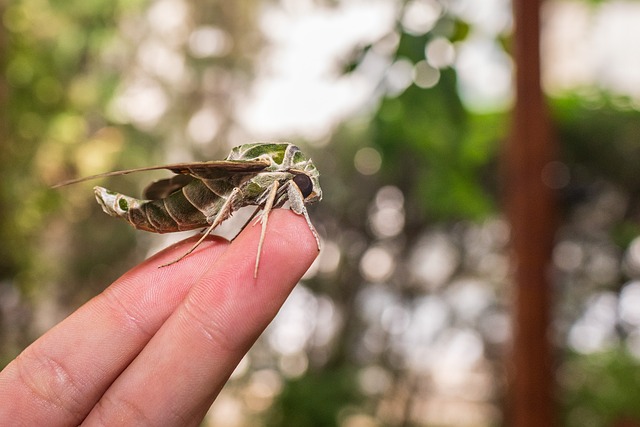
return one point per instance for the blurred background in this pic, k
(406, 317)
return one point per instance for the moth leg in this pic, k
(253, 215)
(278, 203)
(264, 218)
(193, 248)
(297, 205)
(224, 213)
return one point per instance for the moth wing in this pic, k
(164, 187)
(220, 168)
(204, 170)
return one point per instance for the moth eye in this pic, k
(304, 184)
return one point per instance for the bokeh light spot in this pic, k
(203, 126)
(568, 256)
(207, 41)
(367, 161)
(399, 76)
(440, 53)
(556, 175)
(420, 16)
(388, 218)
(425, 76)
(629, 304)
(377, 264)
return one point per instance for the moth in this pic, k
(204, 194)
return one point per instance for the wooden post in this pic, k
(531, 210)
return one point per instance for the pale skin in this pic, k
(158, 345)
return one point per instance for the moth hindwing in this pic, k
(204, 194)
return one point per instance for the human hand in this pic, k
(157, 346)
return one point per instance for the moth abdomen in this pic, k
(171, 214)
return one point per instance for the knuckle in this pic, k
(129, 410)
(52, 383)
(126, 312)
(212, 328)
(118, 410)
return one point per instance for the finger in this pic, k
(176, 377)
(60, 377)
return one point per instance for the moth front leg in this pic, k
(296, 201)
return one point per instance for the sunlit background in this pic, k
(404, 318)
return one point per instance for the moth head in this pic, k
(308, 184)
(305, 174)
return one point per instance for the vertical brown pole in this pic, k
(531, 208)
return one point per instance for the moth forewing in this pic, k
(204, 194)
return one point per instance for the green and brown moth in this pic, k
(204, 194)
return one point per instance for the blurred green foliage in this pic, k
(56, 89)
(600, 389)
(600, 132)
(298, 404)
(437, 151)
